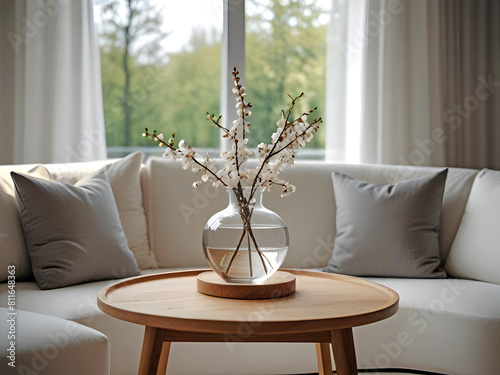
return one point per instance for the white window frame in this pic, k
(232, 55)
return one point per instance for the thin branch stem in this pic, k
(208, 170)
(216, 123)
(246, 217)
(154, 136)
(236, 251)
(250, 255)
(261, 254)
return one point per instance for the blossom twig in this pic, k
(159, 138)
(275, 156)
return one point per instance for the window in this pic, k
(161, 67)
(285, 54)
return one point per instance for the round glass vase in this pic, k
(246, 242)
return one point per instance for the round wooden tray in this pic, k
(281, 284)
(322, 302)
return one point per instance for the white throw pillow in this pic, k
(125, 179)
(12, 246)
(475, 253)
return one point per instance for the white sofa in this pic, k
(449, 326)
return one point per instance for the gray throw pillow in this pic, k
(388, 230)
(73, 232)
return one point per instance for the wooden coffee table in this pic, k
(323, 310)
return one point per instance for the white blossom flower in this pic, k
(170, 153)
(288, 188)
(280, 123)
(289, 137)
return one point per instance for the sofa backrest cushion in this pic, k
(475, 253)
(177, 212)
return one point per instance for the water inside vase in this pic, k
(236, 268)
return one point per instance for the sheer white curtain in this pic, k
(403, 80)
(51, 96)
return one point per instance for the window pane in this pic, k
(160, 69)
(286, 54)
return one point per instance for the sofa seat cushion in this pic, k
(450, 326)
(451, 296)
(49, 345)
(77, 302)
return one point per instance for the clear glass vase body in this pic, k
(246, 242)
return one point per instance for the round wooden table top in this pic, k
(322, 302)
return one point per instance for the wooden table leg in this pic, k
(343, 352)
(165, 351)
(324, 358)
(154, 356)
